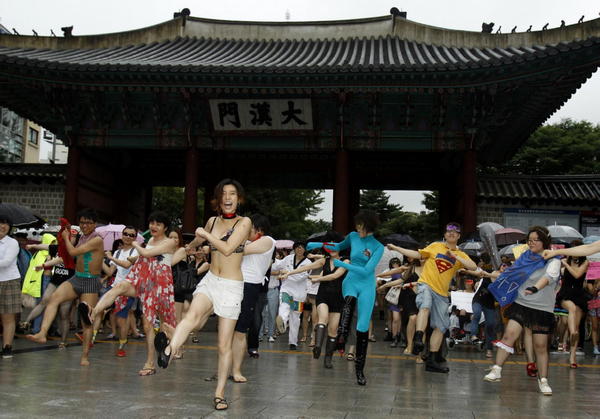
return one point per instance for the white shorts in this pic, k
(225, 294)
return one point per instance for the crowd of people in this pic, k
(233, 270)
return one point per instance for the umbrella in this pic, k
(112, 232)
(473, 236)
(402, 240)
(22, 216)
(591, 239)
(508, 251)
(284, 244)
(326, 236)
(494, 226)
(564, 234)
(506, 236)
(384, 263)
(473, 248)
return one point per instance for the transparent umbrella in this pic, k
(564, 234)
(494, 226)
(473, 248)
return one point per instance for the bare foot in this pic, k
(419, 360)
(84, 362)
(238, 378)
(39, 338)
(168, 329)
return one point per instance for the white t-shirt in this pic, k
(9, 250)
(123, 255)
(254, 267)
(294, 285)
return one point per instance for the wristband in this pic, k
(411, 286)
(43, 266)
(532, 289)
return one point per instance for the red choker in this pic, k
(229, 216)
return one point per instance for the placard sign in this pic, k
(462, 300)
(261, 114)
(593, 271)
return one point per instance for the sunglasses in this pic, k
(453, 228)
(129, 235)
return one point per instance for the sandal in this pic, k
(220, 402)
(195, 340)
(419, 360)
(303, 340)
(160, 344)
(372, 338)
(180, 352)
(408, 351)
(147, 371)
(72, 326)
(350, 357)
(62, 345)
(488, 354)
(573, 366)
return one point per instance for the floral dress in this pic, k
(153, 283)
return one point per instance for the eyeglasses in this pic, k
(86, 223)
(3, 224)
(129, 235)
(533, 241)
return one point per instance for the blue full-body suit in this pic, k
(360, 281)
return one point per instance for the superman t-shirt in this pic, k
(439, 268)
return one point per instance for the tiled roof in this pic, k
(33, 172)
(184, 55)
(575, 190)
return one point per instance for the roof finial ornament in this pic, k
(514, 30)
(545, 28)
(581, 19)
(184, 14)
(530, 26)
(487, 27)
(15, 31)
(67, 31)
(499, 29)
(562, 24)
(34, 32)
(52, 33)
(395, 14)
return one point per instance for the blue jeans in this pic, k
(37, 322)
(489, 314)
(270, 311)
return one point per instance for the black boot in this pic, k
(388, 337)
(344, 326)
(439, 358)
(320, 330)
(418, 344)
(362, 341)
(329, 348)
(395, 341)
(432, 365)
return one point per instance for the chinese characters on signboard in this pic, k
(261, 114)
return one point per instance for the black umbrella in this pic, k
(402, 240)
(326, 236)
(22, 216)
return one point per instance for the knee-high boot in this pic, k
(329, 348)
(362, 342)
(345, 320)
(320, 331)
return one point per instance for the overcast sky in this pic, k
(116, 16)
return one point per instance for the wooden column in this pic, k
(192, 169)
(72, 185)
(469, 197)
(341, 192)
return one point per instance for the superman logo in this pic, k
(443, 263)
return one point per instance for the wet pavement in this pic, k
(41, 381)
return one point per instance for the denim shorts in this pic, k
(437, 305)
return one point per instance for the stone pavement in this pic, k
(41, 381)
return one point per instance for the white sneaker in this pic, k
(495, 374)
(544, 387)
(271, 339)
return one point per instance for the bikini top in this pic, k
(239, 249)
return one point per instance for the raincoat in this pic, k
(32, 284)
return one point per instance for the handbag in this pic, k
(393, 295)
(28, 301)
(185, 278)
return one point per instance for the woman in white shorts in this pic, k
(222, 288)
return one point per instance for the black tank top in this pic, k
(335, 286)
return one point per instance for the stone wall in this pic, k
(46, 199)
(492, 213)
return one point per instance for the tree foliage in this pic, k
(287, 210)
(171, 199)
(378, 201)
(566, 148)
